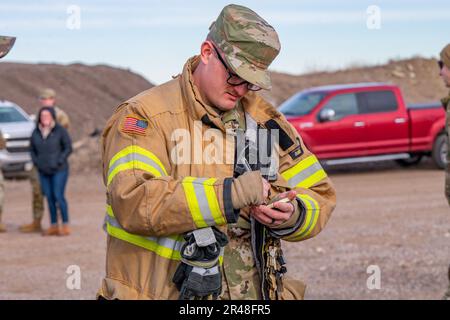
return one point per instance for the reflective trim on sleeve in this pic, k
(135, 157)
(312, 211)
(304, 174)
(166, 247)
(202, 201)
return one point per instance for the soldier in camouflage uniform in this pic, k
(444, 66)
(6, 43)
(47, 99)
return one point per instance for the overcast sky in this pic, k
(154, 38)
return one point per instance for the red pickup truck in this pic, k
(367, 122)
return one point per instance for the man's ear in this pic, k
(206, 51)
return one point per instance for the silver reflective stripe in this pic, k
(161, 241)
(206, 272)
(136, 156)
(304, 174)
(313, 215)
(203, 201)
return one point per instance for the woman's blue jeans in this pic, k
(53, 187)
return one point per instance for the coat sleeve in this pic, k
(66, 145)
(33, 151)
(143, 195)
(300, 170)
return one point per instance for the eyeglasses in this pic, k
(233, 79)
(440, 64)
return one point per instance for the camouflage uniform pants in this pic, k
(38, 198)
(2, 193)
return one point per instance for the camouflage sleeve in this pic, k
(2, 141)
(62, 118)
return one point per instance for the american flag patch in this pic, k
(134, 125)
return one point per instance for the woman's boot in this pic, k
(52, 231)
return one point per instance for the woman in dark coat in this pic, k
(50, 148)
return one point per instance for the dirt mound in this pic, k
(88, 94)
(418, 79)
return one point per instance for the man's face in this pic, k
(215, 87)
(47, 102)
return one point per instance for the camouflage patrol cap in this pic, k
(6, 43)
(47, 93)
(248, 42)
(445, 55)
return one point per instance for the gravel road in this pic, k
(389, 219)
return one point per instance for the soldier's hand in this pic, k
(280, 212)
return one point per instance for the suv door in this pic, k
(340, 135)
(386, 124)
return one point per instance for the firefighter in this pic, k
(190, 214)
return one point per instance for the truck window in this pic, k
(343, 105)
(301, 103)
(378, 101)
(10, 114)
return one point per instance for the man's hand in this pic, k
(266, 188)
(280, 213)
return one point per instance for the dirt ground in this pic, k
(394, 218)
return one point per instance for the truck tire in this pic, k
(439, 153)
(412, 160)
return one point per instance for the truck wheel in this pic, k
(439, 154)
(412, 160)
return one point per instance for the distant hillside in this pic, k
(418, 79)
(88, 94)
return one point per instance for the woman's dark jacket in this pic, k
(50, 155)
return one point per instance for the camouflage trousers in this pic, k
(242, 282)
(38, 198)
(2, 193)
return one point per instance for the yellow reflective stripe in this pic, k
(146, 243)
(143, 243)
(109, 211)
(305, 163)
(135, 157)
(139, 150)
(133, 164)
(312, 180)
(304, 174)
(150, 243)
(311, 216)
(203, 202)
(213, 202)
(193, 204)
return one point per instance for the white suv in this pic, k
(16, 126)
